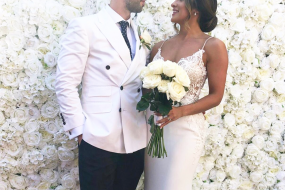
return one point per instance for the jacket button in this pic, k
(108, 67)
(139, 90)
(120, 109)
(121, 87)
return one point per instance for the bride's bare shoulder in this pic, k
(155, 49)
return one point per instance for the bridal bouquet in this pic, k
(169, 83)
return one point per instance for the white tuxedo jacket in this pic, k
(95, 54)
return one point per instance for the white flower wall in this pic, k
(245, 146)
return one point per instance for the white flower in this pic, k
(68, 181)
(264, 11)
(163, 86)
(50, 81)
(181, 77)
(65, 155)
(50, 152)
(220, 175)
(264, 123)
(49, 110)
(15, 41)
(77, 3)
(45, 32)
(258, 141)
(252, 150)
(32, 139)
(238, 25)
(49, 175)
(146, 37)
(229, 119)
(155, 67)
(53, 9)
(269, 32)
(270, 179)
(2, 117)
(151, 81)
(280, 87)
(248, 56)
(18, 182)
(175, 91)
(234, 171)
(144, 72)
(256, 176)
(267, 84)
(43, 186)
(260, 95)
(169, 68)
(32, 126)
(70, 13)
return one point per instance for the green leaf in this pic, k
(148, 47)
(142, 105)
(151, 123)
(164, 109)
(186, 88)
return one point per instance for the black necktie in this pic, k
(124, 25)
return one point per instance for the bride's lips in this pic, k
(174, 12)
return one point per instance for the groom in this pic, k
(103, 53)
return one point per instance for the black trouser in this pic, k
(103, 170)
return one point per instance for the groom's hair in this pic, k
(207, 13)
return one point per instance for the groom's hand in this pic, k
(79, 139)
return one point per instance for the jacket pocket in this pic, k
(97, 107)
(99, 91)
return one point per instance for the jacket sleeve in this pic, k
(70, 68)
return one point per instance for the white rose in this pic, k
(280, 185)
(234, 171)
(271, 145)
(282, 64)
(264, 11)
(256, 176)
(209, 163)
(252, 150)
(18, 182)
(278, 76)
(32, 43)
(263, 45)
(267, 84)
(77, 3)
(277, 19)
(70, 13)
(145, 19)
(58, 27)
(220, 175)
(32, 139)
(238, 151)
(280, 87)
(264, 123)
(68, 181)
(43, 186)
(146, 37)
(175, 91)
(169, 68)
(258, 141)
(144, 72)
(268, 32)
(235, 90)
(33, 68)
(53, 9)
(281, 176)
(31, 126)
(248, 55)
(182, 77)
(246, 185)
(45, 32)
(151, 81)
(15, 41)
(3, 185)
(19, 115)
(13, 149)
(234, 58)
(260, 95)
(274, 60)
(69, 145)
(156, 67)
(229, 119)
(65, 155)
(49, 109)
(50, 152)
(238, 25)
(50, 81)
(163, 86)
(51, 127)
(248, 133)
(270, 179)
(49, 175)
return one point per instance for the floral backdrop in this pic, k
(245, 148)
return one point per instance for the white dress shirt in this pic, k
(132, 39)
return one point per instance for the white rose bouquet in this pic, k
(169, 84)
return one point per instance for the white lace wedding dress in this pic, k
(184, 138)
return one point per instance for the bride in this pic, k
(202, 57)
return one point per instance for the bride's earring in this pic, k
(195, 13)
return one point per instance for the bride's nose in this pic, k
(173, 4)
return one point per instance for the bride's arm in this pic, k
(217, 65)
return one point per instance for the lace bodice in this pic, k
(196, 70)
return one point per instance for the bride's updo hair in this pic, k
(207, 13)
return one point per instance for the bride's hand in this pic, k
(173, 115)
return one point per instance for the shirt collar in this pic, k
(115, 16)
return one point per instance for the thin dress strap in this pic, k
(206, 42)
(162, 44)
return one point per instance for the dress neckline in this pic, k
(184, 58)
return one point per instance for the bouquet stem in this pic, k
(155, 147)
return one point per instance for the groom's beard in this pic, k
(134, 6)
